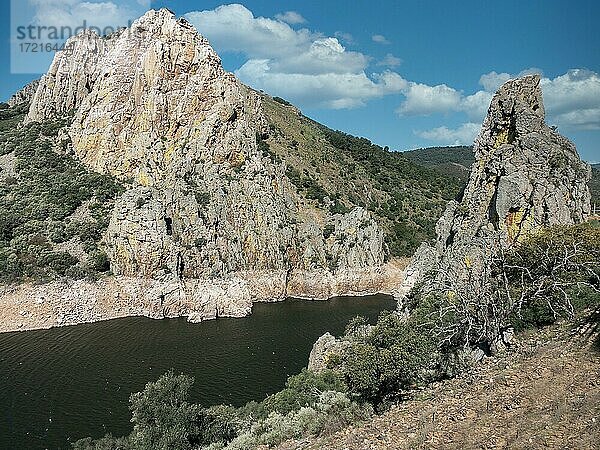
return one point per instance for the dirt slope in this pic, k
(542, 394)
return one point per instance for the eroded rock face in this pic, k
(24, 95)
(70, 77)
(525, 176)
(154, 108)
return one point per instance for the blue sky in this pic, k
(404, 74)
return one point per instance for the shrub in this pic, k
(328, 230)
(303, 390)
(106, 443)
(553, 274)
(282, 101)
(161, 416)
(381, 361)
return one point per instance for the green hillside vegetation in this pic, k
(376, 366)
(53, 211)
(337, 171)
(454, 161)
(595, 186)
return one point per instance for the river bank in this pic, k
(31, 306)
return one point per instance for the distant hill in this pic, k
(454, 161)
(457, 161)
(595, 185)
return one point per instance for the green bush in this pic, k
(35, 206)
(303, 390)
(162, 417)
(556, 272)
(382, 360)
(282, 101)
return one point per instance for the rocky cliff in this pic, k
(525, 176)
(204, 206)
(24, 95)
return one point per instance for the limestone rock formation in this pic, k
(24, 95)
(525, 176)
(153, 107)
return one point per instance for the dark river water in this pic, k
(62, 384)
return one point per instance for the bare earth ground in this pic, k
(544, 393)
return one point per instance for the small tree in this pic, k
(162, 418)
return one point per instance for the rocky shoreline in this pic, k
(69, 302)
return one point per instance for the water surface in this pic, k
(62, 384)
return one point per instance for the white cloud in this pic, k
(380, 39)
(291, 17)
(234, 28)
(347, 38)
(422, 99)
(463, 135)
(476, 105)
(572, 100)
(305, 67)
(326, 90)
(390, 61)
(74, 13)
(324, 55)
(493, 80)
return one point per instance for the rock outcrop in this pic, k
(24, 95)
(153, 107)
(525, 176)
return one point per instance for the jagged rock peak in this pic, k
(525, 176)
(74, 71)
(25, 94)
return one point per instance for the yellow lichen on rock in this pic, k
(501, 138)
(518, 225)
(168, 156)
(237, 159)
(144, 179)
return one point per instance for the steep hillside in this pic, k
(538, 395)
(339, 171)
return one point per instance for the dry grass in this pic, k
(543, 394)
